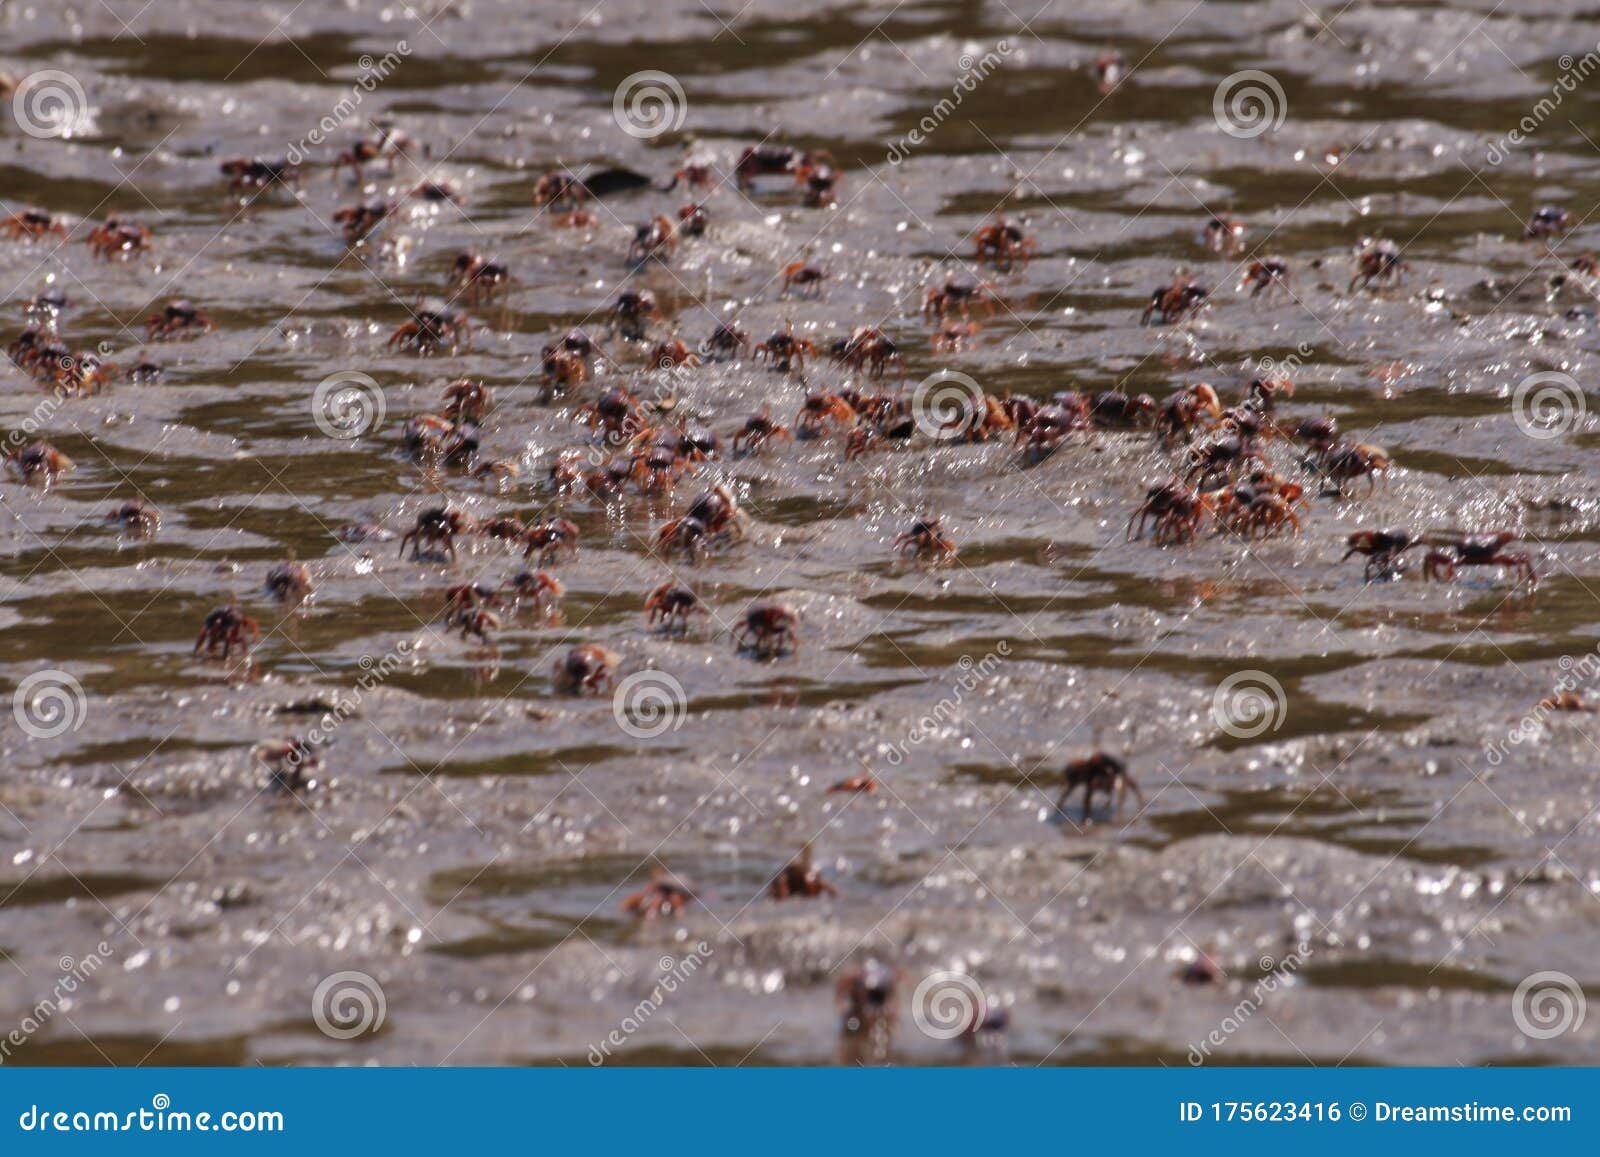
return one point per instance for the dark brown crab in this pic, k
(227, 627)
(177, 318)
(1479, 550)
(768, 630)
(435, 325)
(585, 669)
(1097, 773)
(671, 604)
(434, 535)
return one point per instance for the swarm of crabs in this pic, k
(1222, 464)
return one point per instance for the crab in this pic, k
(863, 784)
(766, 161)
(664, 895)
(817, 177)
(289, 761)
(357, 222)
(632, 313)
(1042, 431)
(551, 540)
(1173, 303)
(926, 541)
(85, 374)
(1479, 550)
(713, 516)
(657, 469)
(769, 628)
(227, 627)
(435, 531)
(435, 325)
(671, 604)
(478, 278)
(960, 296)
(119, 237)
(1004, 243)
(39, 462)
(31, 224)
(800, 877)
(542, 591)
(1547, 221)
(560, 187)
(1113, 408)
(1223, 235)
(476, 623)
(1265, 276)
(250, 173)
(388, 144)
(1097, 773)
(655, 240)
(1185, 412)
(758, 430)
(1175, 510)
(725, 342)
(865, 997)
(806, 278)
(1346, 462)
(820, 408)
(176, 318)
(1108, 69)
(1220, 459)
(615, 413)
(785, 352)
(137, 519)
(46, 305)
(586, 669)
(1377, 263)
(562, 368)
(289, 582)
(466, 401)
(672, 354)
(867, 350)
(1382, 550)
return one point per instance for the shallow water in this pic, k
(473, 833)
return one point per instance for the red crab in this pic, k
(227, 627)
